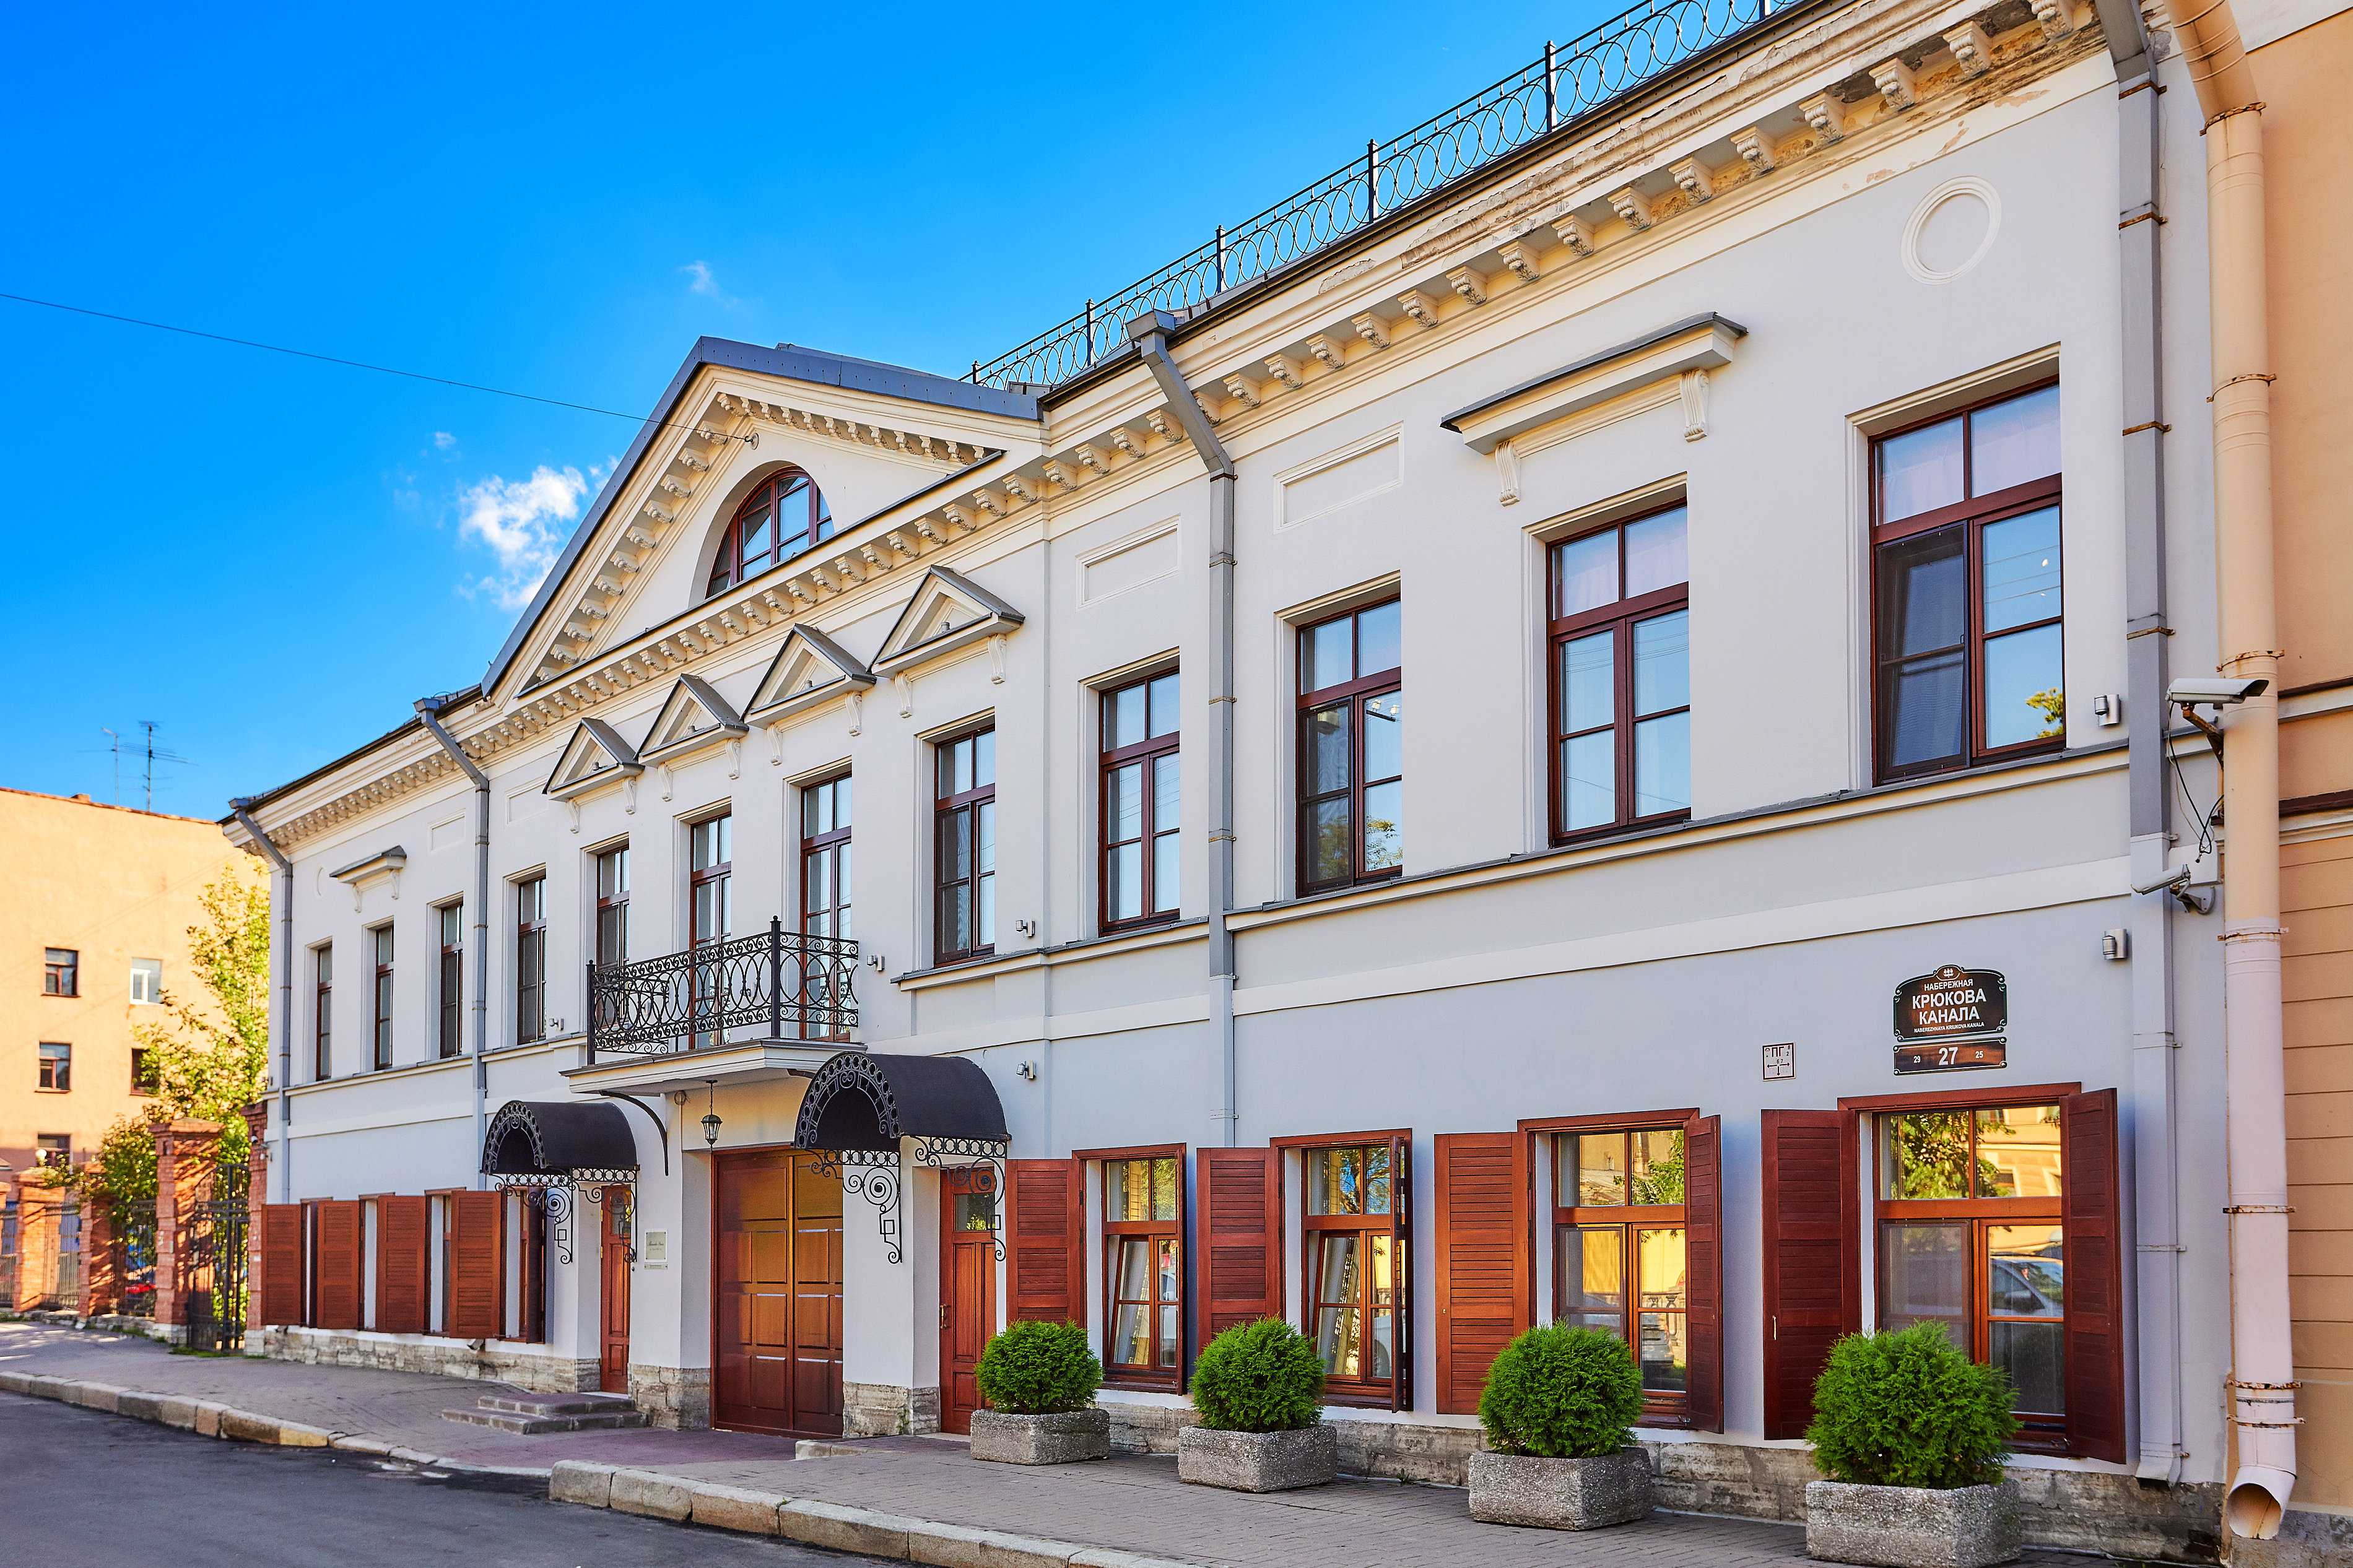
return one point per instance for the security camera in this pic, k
(2175, 879)
(2220, 691)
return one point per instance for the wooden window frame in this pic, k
(1119, 1374)
(449, 981)
(1148, 752)
(719, 877)
(1663, 1408)
(945, 808)
(1972, 514)
(612, 908)
(728, 566)
(381, 942)
(1396, 1391)
(1355, 693)
(531, 959)
(61, 976)
(55, 1073)
(323, 1017)
(1619, 617)
(831, 845)
(2047, 1434)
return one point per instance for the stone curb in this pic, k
(210, 1419)
(830, 1525)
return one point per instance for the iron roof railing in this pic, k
(1620, 54)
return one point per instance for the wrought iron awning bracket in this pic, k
(973, 1154)
(558, 1193)
(662, 1130)
(876, 1175)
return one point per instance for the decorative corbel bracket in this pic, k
(905, 688)
(1694, 402)
(1896, 84)
(1827, 115)
(1633, 206)
(1507, 474)
(1971, 47)
(1755, 149)
(997, 660)
(1691, 177)
(1521, 256)
(1372, 328)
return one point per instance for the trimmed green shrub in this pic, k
(1562, 1394)
(1037, 1369)
(1259, 1377)
(1908, 1409)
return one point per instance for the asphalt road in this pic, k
(82, 1490)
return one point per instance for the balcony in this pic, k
(775, 988)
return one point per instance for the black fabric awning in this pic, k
(862, 1101)
(556, 1137)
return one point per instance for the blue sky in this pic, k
(274, 558)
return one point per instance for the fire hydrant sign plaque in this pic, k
(1951, 1019)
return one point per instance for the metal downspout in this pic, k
(428, 709)
(2156, 1175)
(1150, 333)
(2263, 1358)
(282, 1027)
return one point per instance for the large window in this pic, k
(1351, 750)
(783, 516)
(382, 939)
(1970, 1237)
(1140, 816)
(965, 846)
(531, 959)
(147, 981)
(711, 911)
(60, 971)
(1144, 1266)
(56, 1066)
(825, 883)
(1353, 1234)
(1965, 538)
(1621, 1251)
(451, 976)
(1621, 677)
(323, 1012)
(613, 906)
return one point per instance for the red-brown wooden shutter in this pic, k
(1813, 1256)
(1704, 1270)
(2094, 1241)
(1237, 1237)
(478, 1297)
(403, 1269)
(1045, 1241)
(281, 1291)
(335, 1289)
(1401, 1251)
(1485, 1293)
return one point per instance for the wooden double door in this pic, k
(776, 1344)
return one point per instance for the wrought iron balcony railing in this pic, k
(782, 985)
(1566, 82)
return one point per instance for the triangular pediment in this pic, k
(693, 716)
(949, 611)
(810, 669)
(594, 756)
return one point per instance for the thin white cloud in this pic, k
(523, 522)
(443, 440)
(706, 282)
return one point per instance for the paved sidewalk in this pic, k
(923, 1498)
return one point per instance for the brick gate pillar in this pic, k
(101, 1274)
(183, 1151)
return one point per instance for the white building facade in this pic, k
(1396, 795)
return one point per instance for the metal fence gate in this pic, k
(209, 1256)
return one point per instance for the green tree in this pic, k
(212, 1059)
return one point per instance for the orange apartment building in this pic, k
(95, 905)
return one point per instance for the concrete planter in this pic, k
(1056, 1439)
(1258, 1461)
(1561, 1494)
(1912, 1527)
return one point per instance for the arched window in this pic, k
(783, 516)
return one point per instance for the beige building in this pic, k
(95, 907)
(2304, 78)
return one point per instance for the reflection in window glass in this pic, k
(2018, 1151)
(1657, 555)
(2012, 442)
(1926, 1154)
(1920, 472)
(1924, 1277)
(1348, 1181)
(2025, 1307)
